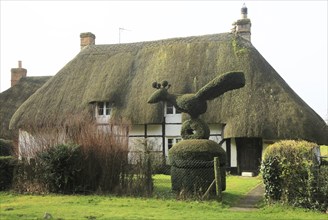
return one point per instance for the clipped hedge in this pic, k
(7, 165)
(291, 174)
(6, 147)
(198, 150)
(195, 129)
(192, 167)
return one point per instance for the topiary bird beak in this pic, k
(157, 96)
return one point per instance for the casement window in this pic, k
(171, 142)
(103, 109)
(170, 109)
(102, 112)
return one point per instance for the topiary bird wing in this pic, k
(221, 84)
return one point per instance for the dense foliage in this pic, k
(7, 164)
(291, 174)
(195, 129)
(192, 167)
(60, 167)
(197, 149)
(6, 147)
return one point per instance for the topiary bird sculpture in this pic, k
(188, 156)
(195, 104)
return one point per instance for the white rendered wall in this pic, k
(154, 129)
(173, 118)
(172, 130)
(233, 162)
(29, 144)
(137, 130)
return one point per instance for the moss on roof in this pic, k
(12, 98)
(123, 74)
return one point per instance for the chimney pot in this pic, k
(244, 11)
(19, 64)
(242, 27)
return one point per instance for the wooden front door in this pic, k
(249, 152)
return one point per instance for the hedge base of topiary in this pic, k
(192, 166)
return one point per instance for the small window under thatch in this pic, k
(103, 111)
(104, 108)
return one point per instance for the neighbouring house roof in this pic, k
(12, 98)
(123, 74)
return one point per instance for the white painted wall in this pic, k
(233, 148)
(137, 133)
(103, 119)
(137, 130)
(154, 129)
(29, 144)
(172, 130)
(174, 118)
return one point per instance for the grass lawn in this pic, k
(163, 205)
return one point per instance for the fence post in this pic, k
(218, 183)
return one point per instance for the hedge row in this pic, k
(7, 165)
(291, 174)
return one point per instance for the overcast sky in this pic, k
(291, 35)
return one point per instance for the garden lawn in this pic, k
(162, 206)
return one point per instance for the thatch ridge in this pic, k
(123, 74)
(12, 98)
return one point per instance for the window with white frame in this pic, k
(103, 109)
(170, 109)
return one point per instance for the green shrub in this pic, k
(192, 168)
(195, 129)
(291, 174)
(6, 147)
(197, 149)
(271, 174)
(7, 165)
(60, 167)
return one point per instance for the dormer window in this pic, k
(171, 110)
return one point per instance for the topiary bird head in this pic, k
(161, 93)
(195, 104)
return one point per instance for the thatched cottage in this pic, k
(114, 81)
(22, 87)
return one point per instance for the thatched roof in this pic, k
(123, 74)
(13, 97)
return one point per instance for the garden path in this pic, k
(250, 201)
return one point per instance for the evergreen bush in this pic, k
(192, 167)
(6, 147)
(60, 167)
(291, 174)
(7, 165)
(197, 149)
(195, 129)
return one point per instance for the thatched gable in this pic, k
(12, 98)
(123, 74)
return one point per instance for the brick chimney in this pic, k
(17, 73)
(242, 27)
(87, 39)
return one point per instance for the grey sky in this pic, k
(291, 35)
